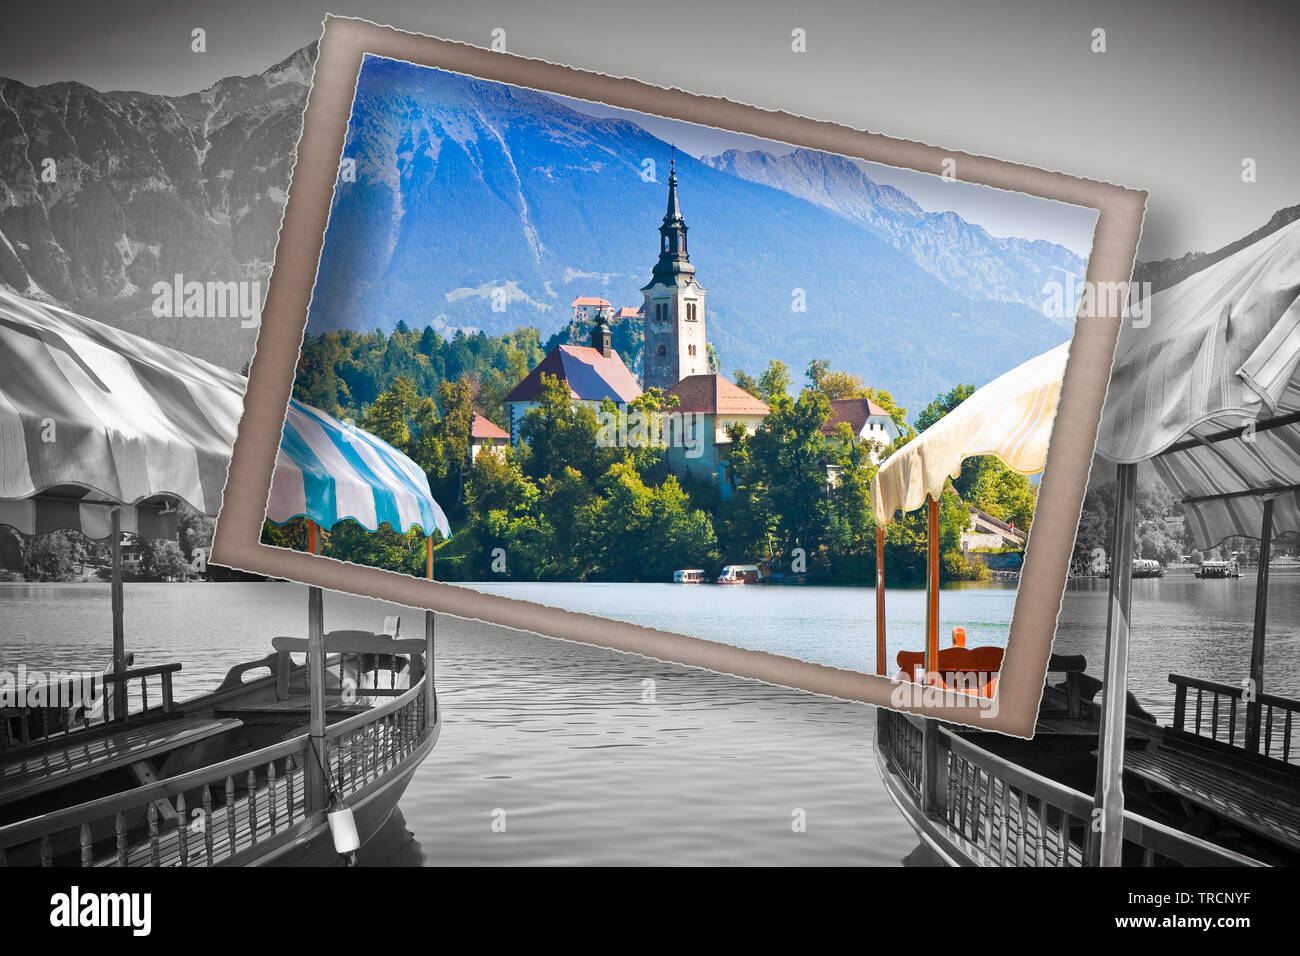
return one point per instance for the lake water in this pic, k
(560, 737)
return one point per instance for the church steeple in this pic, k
(675, 343)
(674, 258)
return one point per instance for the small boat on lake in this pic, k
(1147, 568)
(299, 756)
(739, 574)
(689, 576)
(1217, 569)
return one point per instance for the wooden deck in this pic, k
(1249, 800)
(979, 805)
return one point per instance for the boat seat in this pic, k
(81, 757)
(1250, 801)
(954, 664)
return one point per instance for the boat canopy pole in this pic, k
(881, 664)
(1253, 706)
(118, 601)
(1233, 433)
(430, 693)
(1106, 848)
(932, 588)
(317, 798)
(1271, 492)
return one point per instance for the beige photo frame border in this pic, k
(237, 539)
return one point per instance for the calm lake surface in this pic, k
(558, 734)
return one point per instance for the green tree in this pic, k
(746, 381)
(774, 383)
(942, 405)
(161, 560)
(389, 416)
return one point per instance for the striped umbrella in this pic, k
(328, 471)
(1210, 391)
(100, 429)
(91, 416)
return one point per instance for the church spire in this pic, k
(674, 213)
(674, 259)
(675, 343)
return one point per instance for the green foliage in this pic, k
(997, 490)
(161, 560)
(942, 405)
(53, 556)
(774, 384)
(343, 373)
(746, 381)
(562, 506)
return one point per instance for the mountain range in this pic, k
(481, 206)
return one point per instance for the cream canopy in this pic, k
(1010, 418)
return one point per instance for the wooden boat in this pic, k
(234, 777)
(117, 771)
(1106, 783)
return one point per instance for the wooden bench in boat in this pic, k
(969, 669)
(82, 758)
(342, 645)
(350, 649)
(1251, 801)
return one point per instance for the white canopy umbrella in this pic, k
(1209, 391)
(100, 430)
(1011, 419)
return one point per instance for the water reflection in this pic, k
(392, 845)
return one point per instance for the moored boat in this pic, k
(287, 760)
(739, 574)
(1106, 783)
(1147, 568)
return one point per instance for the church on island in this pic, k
(675, 359)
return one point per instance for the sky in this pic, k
(1185, 91)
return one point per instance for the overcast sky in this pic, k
(1185, 91)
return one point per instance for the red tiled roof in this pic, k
(714, 395)
(480, 427)
(588, 300)
(627, 312)
(855, 411)
(589, 375)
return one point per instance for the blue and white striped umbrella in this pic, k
(329, 471)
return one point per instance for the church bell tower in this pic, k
(675, 344)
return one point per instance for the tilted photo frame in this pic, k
(1076, 388)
